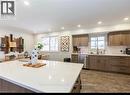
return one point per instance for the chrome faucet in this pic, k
(97, 50)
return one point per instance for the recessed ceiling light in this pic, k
(100, 22)
(79, 26)
(126, 19)
(26, 3)
(62, 28)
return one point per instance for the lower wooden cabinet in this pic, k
(78, 85)
(7, 87)
(97, 62)
(119, 64)
(74, 58)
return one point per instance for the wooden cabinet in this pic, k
(5, 44)
(8, 87)
(75, 41)
(97, 62)
(78, 58)
(20, 44)
(80, 40)
(119, 64)
(74, 58)
(121, 38)
(77, 87)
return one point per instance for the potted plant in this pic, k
(39, 46)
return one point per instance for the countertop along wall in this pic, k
(59, 56)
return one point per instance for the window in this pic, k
(50, 43)
(98, 42)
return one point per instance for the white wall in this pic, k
(59, 56)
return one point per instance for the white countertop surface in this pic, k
(111, 55)
(102, 54)
(54, 77)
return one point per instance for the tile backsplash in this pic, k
(115, 49)
(108, 50)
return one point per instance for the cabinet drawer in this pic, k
(120, 69)
(120, 64)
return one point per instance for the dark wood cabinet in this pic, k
(120, 38)
(5, 44)
(20, 44)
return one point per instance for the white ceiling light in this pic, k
(126, 19)
(100, 22)
(26, 3)
(79, 26)
(62, 28)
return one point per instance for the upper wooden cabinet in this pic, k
(80, 40)
(121, 38)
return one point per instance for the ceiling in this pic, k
(42, 15)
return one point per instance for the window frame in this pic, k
(50, 44)
(97, 41)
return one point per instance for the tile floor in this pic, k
(102, 82)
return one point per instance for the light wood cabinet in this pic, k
(80, 40)
(121, 38)
(75, 41)
(120, 64)
(97, 62)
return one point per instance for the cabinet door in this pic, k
(74, 58)
(114, 39)
(98, 63)
(92, 62)
(75, 41)
(80, 40)
(83, 40)
(117, 40)
(101, 61)
(127, 39)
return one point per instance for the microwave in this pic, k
(128, 51)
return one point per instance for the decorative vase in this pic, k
(34, 56)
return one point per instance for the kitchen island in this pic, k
(55, 77)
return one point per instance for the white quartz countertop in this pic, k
(55, 77)
(110, 55)
(102, 54)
